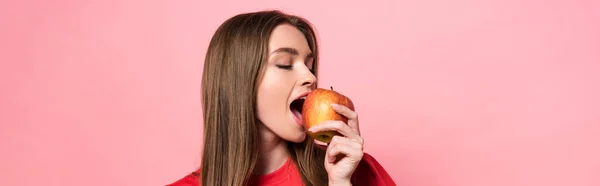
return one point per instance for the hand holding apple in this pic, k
(329, 117)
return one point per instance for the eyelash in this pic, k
(286, 67)
(289, 67)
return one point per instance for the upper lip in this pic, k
(302, 95)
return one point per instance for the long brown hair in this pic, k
(233, 67)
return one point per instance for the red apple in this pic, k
(317, 108)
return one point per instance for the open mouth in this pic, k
(296, 108)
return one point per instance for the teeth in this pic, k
(303, 97)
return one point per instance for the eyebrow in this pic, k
(292, 51)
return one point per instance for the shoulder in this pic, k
(370, 172)
(192, 179)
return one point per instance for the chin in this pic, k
(298, 135)
(299, 138)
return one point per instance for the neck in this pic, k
(273, 152)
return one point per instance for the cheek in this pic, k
(272, 96)
(265, 104)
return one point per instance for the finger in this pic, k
(347, 141)
(348, 113)
(341, 149)
(345, 111)
(338, 126)
(320, 144)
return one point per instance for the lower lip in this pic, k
(298, 121)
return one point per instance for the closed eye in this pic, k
(286, 67)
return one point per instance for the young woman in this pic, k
(256, 66)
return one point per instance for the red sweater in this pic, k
(369, 172)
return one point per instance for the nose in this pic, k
(308, 79)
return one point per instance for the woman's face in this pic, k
(287, 77)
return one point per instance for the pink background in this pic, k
(453, 93)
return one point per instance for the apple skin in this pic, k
(317, 109)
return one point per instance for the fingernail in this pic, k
(335, 106)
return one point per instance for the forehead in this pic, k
(288, 36)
